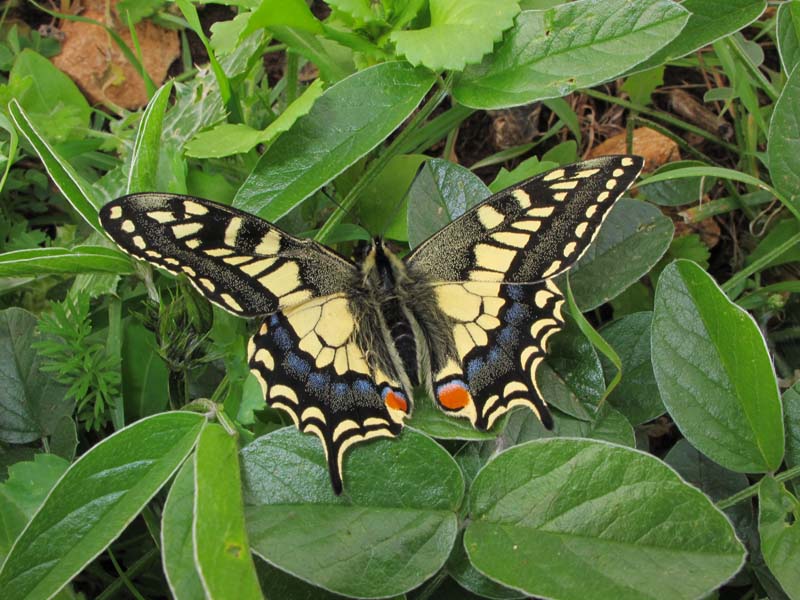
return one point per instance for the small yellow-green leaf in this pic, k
(460, 33)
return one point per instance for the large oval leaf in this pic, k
(714, 372)
(347, 121)
(634, 236)
(94, 501)
(549, 53)
(569, 518)
(392, 528)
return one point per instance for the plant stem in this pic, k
(761, 263)
(751, 491)
(663, 117)
(379, 164)
(139, 566)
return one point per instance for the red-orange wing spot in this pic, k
(395, 401)
(454, 395)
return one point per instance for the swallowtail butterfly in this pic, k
(342, 345)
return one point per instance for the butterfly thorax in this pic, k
(391, 306)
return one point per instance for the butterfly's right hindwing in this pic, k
(238, 261)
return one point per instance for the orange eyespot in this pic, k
(454, 396)
(395, 401)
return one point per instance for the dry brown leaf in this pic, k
(656, 148)
(94, 62)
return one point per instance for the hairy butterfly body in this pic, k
(467, 315)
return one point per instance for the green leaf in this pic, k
(346, 122)
(279, 584)
(709, 21)
(608, 425)
(468, 577)
(23, 492)
(144, 158)
(714, 372)
(223, 554)
(177, 542)
(31, 403)
(527, 168)
(679, 191)
(234, 138)
(780, 533)
(459, 34)
(287, 13)
(29, 482)
(553, 52)
(431, 420)
(94, 501)
(715, 481)
(441, 192)
(384, 204)
(640, 86)
(48, 261)
(636, 396)
(64, 439)
(788, 34)
(546, 510)
(145, 377)
(634, 236)
(783, 144)
(791, 416)
(49, 96)
(75, 189)
(394, 525)
(334, 61)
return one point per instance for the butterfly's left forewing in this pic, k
(242, 263)
(492, 271)
(305, 354)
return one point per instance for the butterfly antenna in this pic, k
(339, 205)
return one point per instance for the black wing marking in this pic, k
(532, 231)
(238, 261)
(310, 366)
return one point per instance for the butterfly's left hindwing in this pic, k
(310, 365)
(238, 261)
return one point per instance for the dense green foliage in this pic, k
(188, 483)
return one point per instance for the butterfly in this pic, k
(343, 344)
